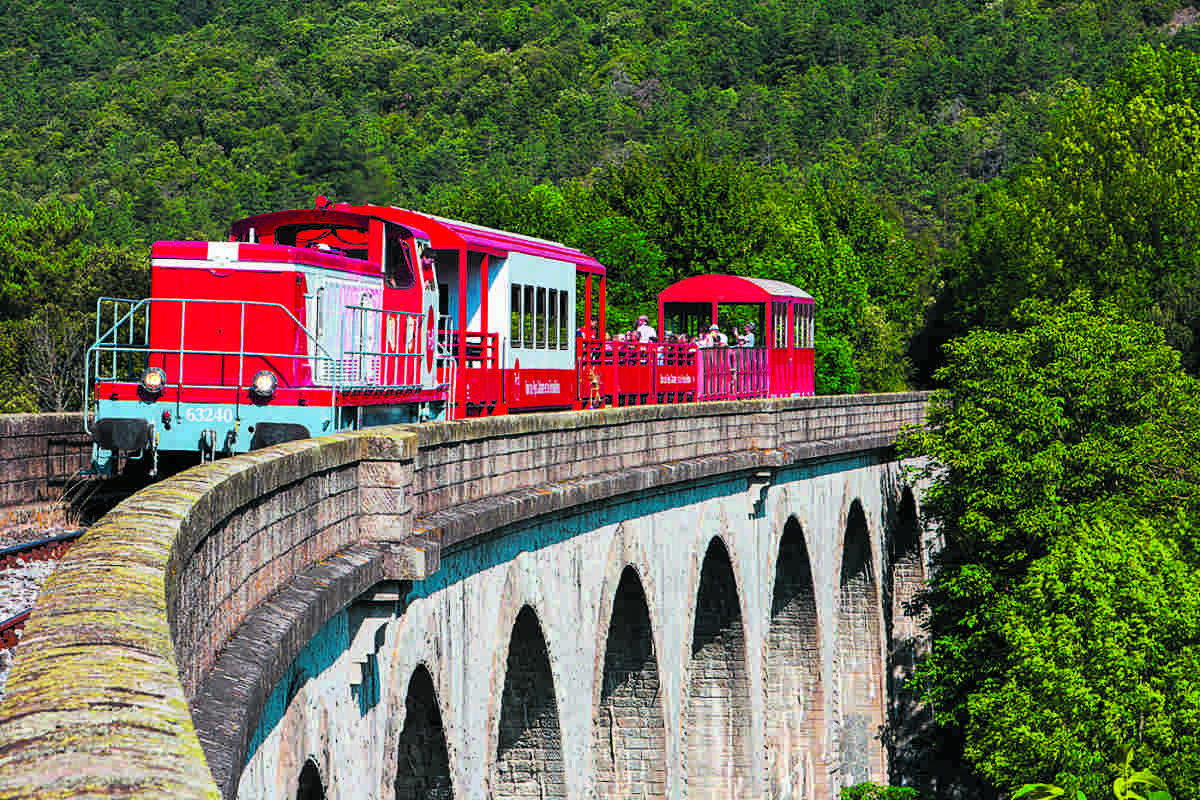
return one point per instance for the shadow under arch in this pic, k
(310, 786)
(859, 658)
(529, 757)
(796, 737)
(628, 730)
(717, 744)
(909, 720)
(423, 760)
(906, 564)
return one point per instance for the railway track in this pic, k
(33, 539)
(24, 565)
(10, 629)
(50, 548)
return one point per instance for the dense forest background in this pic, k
(1019, 178)
(852, 147)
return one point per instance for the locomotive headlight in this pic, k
(154, 380)
(264, 384)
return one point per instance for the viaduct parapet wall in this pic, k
(158, 640)
(40, 454)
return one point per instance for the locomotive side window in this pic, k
(398, 270)
(343, 240)
(514, 334)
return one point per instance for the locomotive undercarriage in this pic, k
(121, 443)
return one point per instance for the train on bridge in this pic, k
(339, 317)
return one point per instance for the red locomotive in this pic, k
(340, 317)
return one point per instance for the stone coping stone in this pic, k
(100, 711)
(36, 424)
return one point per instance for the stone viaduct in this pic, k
(700, 601)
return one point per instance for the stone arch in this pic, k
(906, 561)
(629, 732)
(529, 757)
(795, 695)
(716, 731)
(859, 657)
(423, 760)
(310, 786)
(907, 641)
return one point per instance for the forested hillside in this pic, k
(172, 119)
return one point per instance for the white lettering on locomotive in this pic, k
(207, 414)
(543, 387)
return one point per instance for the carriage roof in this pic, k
(442, 233)
(731, 289)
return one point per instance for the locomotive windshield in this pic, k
(344, 240)
(398, 269)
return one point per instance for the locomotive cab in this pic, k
(303, 323)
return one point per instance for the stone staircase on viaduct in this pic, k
(701, 601)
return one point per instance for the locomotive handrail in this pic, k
(407, 357)
(109, 342)
(443, 357)
(626, 368)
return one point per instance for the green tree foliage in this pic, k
(678, 210)
(1103, 647)
(1130, 784)
(52, 271)
(1053, 639)
(705, 214)
(51, 255)
(881, 121)
(177, 120)
(1112, 203)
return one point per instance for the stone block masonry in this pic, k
(39, 455)
(149, 658)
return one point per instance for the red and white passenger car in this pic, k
(345, 316)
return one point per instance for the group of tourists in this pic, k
(644, 333)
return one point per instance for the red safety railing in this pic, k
(733, 373)
(633, 373)
(615, 372)
(482, 365)
(792, 372)
(676, 374)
